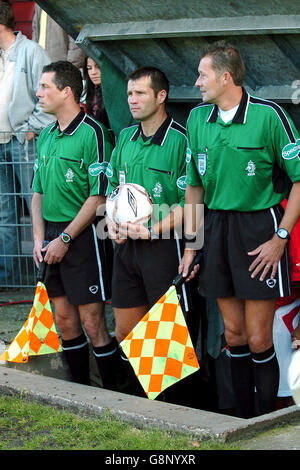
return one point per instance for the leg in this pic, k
(105, 349)
(126, 319)
(74, 343)
(259, 319)
(233, 312)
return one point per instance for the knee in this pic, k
(235, 335)
(259, 342)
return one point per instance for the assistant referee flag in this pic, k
(159, 347)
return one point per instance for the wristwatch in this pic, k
(153, 235)
(283, 233)
(65, 237)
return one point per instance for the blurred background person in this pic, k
(93, 92)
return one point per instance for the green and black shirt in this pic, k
(242, 165)
(71, 166)
(158, 164)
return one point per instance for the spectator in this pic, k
(93, 91)
(58, 44)
(240, 150)
(69, 185)
(21, 63)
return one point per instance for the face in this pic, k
(209, 83)
(50, 97)
(142, 101)
(93, 71)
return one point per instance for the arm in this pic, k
(269, 254)
(38, 227)
(193, 219)
(56, 249)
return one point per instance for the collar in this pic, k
(72, 126)
(241, 114)
(159, 136)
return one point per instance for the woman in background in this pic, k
(93, 99)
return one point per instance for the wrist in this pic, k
(65, 238)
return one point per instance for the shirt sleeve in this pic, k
(286, 145)
(192, 173)
(111, 171)
(36, 184)
(99, 152)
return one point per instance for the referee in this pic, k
(150, 153)
(69, 185)
(241, 151)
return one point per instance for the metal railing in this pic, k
(17, 157)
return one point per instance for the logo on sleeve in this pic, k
(36, 165)
(96, 168)
(291, 151)
(181, 182)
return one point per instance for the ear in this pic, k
(226, 77)
(161, 95)
(67, 91)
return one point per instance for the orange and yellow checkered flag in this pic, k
(38, 334)
(159, 347)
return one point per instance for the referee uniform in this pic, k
(71, 167)
(243, 167)
(144, 270)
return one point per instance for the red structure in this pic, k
(23, 11)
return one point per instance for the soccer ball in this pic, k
(129, 202)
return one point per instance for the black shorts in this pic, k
(84, 274)
(228, 237)
(144, 271)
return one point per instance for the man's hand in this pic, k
(134, 231)
(37, 252)
(186, 261)
(268, 257)
(55, 251)
(113, 231)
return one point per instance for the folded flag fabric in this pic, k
(38, 334)
(159, 347)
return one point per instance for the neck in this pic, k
(7, 38)
(66, 115)
(151, 125)
(231, 98)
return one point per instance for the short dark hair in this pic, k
(66, 74)
(158, 79)
(7, 17)
(226, 57)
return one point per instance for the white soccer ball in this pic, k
(129, 202)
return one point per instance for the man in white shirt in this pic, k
(21, 119)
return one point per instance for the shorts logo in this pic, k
(94, 289)
(181, 182)
(202, 163)
(271, 283)
(157, 190)
(69, 176)
(291, 151)
(250, 168)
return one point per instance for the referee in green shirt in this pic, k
(69, 185)
(152, 154)
(241, 149)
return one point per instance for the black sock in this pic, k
(266, 375)
(76, 352)
(242, 380)
(134, 386)
(110, 365)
